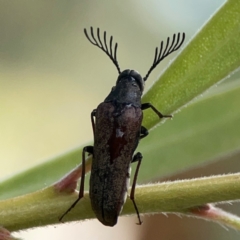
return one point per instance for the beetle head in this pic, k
(133, 76)
(128, 89)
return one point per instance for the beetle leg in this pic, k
(88, 149)
(93, 114)
(149, 105)
(143, 132)
(136, 158)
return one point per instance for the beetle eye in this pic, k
(134, 84)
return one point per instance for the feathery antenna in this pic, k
(159, 56)
(109, 51)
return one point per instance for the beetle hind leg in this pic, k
(88, 149)
(136, 158)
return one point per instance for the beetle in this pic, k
(117, 129)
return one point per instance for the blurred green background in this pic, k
(51, 78)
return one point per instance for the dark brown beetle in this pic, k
(117, 130)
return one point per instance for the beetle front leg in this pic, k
(136, 158)
(88, 149)
(149, 105)
(93, 114)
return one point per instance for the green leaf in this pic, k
(201, 132)
(212, 55)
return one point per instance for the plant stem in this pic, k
(45, 206)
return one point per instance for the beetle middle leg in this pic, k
(143, 132)
(149, 105)
(88, 149)
(136, 158)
